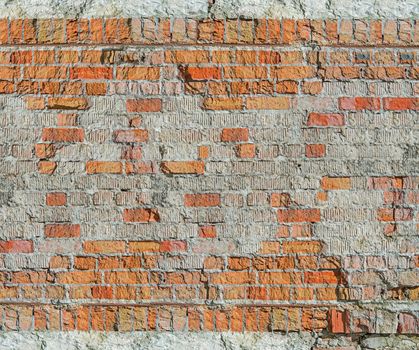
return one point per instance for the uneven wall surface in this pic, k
(244, 176)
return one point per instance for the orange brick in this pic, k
(183, 167)
(46, 167)
(322, 277)
(236, 277)
(245, 72)
(96, 89)
(235, 135)
(293, 73)
(103, 247)
(336, 183)
(103, 167)
(44, 72)
(44, 150)
(201, 73)
(187, 56)
(34, 103)
(67, 103)
(287, 87)
(144, 246)
(246, 150)
(91, 73)
(302, 247)
(267, 103)
(280, 278)
(280, 199)
(138, 73)
(207, 232)
(144, 105)
(401, 103)
(222, 103)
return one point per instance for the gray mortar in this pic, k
(204, 8)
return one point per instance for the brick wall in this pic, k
(209, 175)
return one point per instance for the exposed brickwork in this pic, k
(209, 175)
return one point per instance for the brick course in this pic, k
(243, 175)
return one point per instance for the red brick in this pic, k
(17, 246)
(397, 214)
(56, 199)
(359, 103)
(315, 150)
(401, 103)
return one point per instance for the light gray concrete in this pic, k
(148, 341)
(196, 341)
(220, 8)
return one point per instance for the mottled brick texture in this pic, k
(253, 175)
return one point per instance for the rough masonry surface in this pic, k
(223, 182)
(388, 9)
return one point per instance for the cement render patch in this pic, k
(218, 9)
(153, 340)
(198, 341)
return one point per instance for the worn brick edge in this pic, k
(184, 317)
(164, 31)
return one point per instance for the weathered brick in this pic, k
(62, 230)
(141, 215)
(144, 105)
(63, 134)
(202, 200)
(183, 167)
